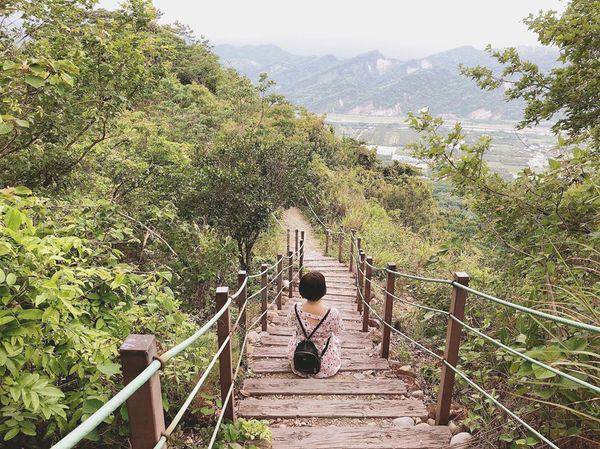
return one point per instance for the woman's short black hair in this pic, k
(312, 286)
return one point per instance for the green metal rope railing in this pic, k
(497, 343)
(80, 432)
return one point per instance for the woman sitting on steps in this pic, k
(314, 349)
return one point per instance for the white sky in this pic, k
(398, 28)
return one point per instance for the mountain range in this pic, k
(372, 84)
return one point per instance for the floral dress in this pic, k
(331, 327)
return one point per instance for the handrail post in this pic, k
(368, 276)
(296, 240)
(279, 280)
(361, 280)
(352, 235)
(327, 236)
(340, 246)
(302, 236)
(225, 369)
(453, 336)
(144, 407)
(388, 308)
(264, 296)
(287, 237)
(290, 258)
(301, 260)
(241, 300)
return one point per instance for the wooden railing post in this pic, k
(327, 236)
(264, 296)
(352, 235)
(340, 246)
(290, 258)
(453, 336)
(302, 236)
(368, 276)
(301, 260)
(361, 280)
(287, 236)
(144, 407)
(388, 308)
(241, 299)
(279, 280)
(296, 240)
(225, 368)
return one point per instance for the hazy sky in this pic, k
(398, 28)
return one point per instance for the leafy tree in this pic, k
(570, 92)
(244, 180)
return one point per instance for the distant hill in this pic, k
(372, 84)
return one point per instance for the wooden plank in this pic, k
(278, 352)
(326, 269)
(347, 342)
(282, 319)
(368, 437)
(283, 365)
(350, 315)
(352, 328)
(344, 297)
(264, 386)
(340, 305)
(331, 408)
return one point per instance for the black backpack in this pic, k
(307, 359)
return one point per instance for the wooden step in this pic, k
(347, 314)
(347, 341)
(325, 269)
(340, 305)
(266, 386)
(368, 437)
(344, 297)
(331, 408)
(351, 328)
(278, 352)
(283, 365)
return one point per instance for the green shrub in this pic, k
(68, 302)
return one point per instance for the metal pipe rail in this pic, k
(555, 318)
(453, 318)
(198, 385)
(486, 337)
(77, 434)
(464, 377)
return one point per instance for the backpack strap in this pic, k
(326, 346)
(319, 325)
(300, 321)
(308, 337)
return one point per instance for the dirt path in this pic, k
(293, 219)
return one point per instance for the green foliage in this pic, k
(569, 92)
(68, 301)
(244, 180)
(244, 433)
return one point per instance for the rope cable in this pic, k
(557, 319)
(526, 357)
(414, 304)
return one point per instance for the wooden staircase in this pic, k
(351, 410)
